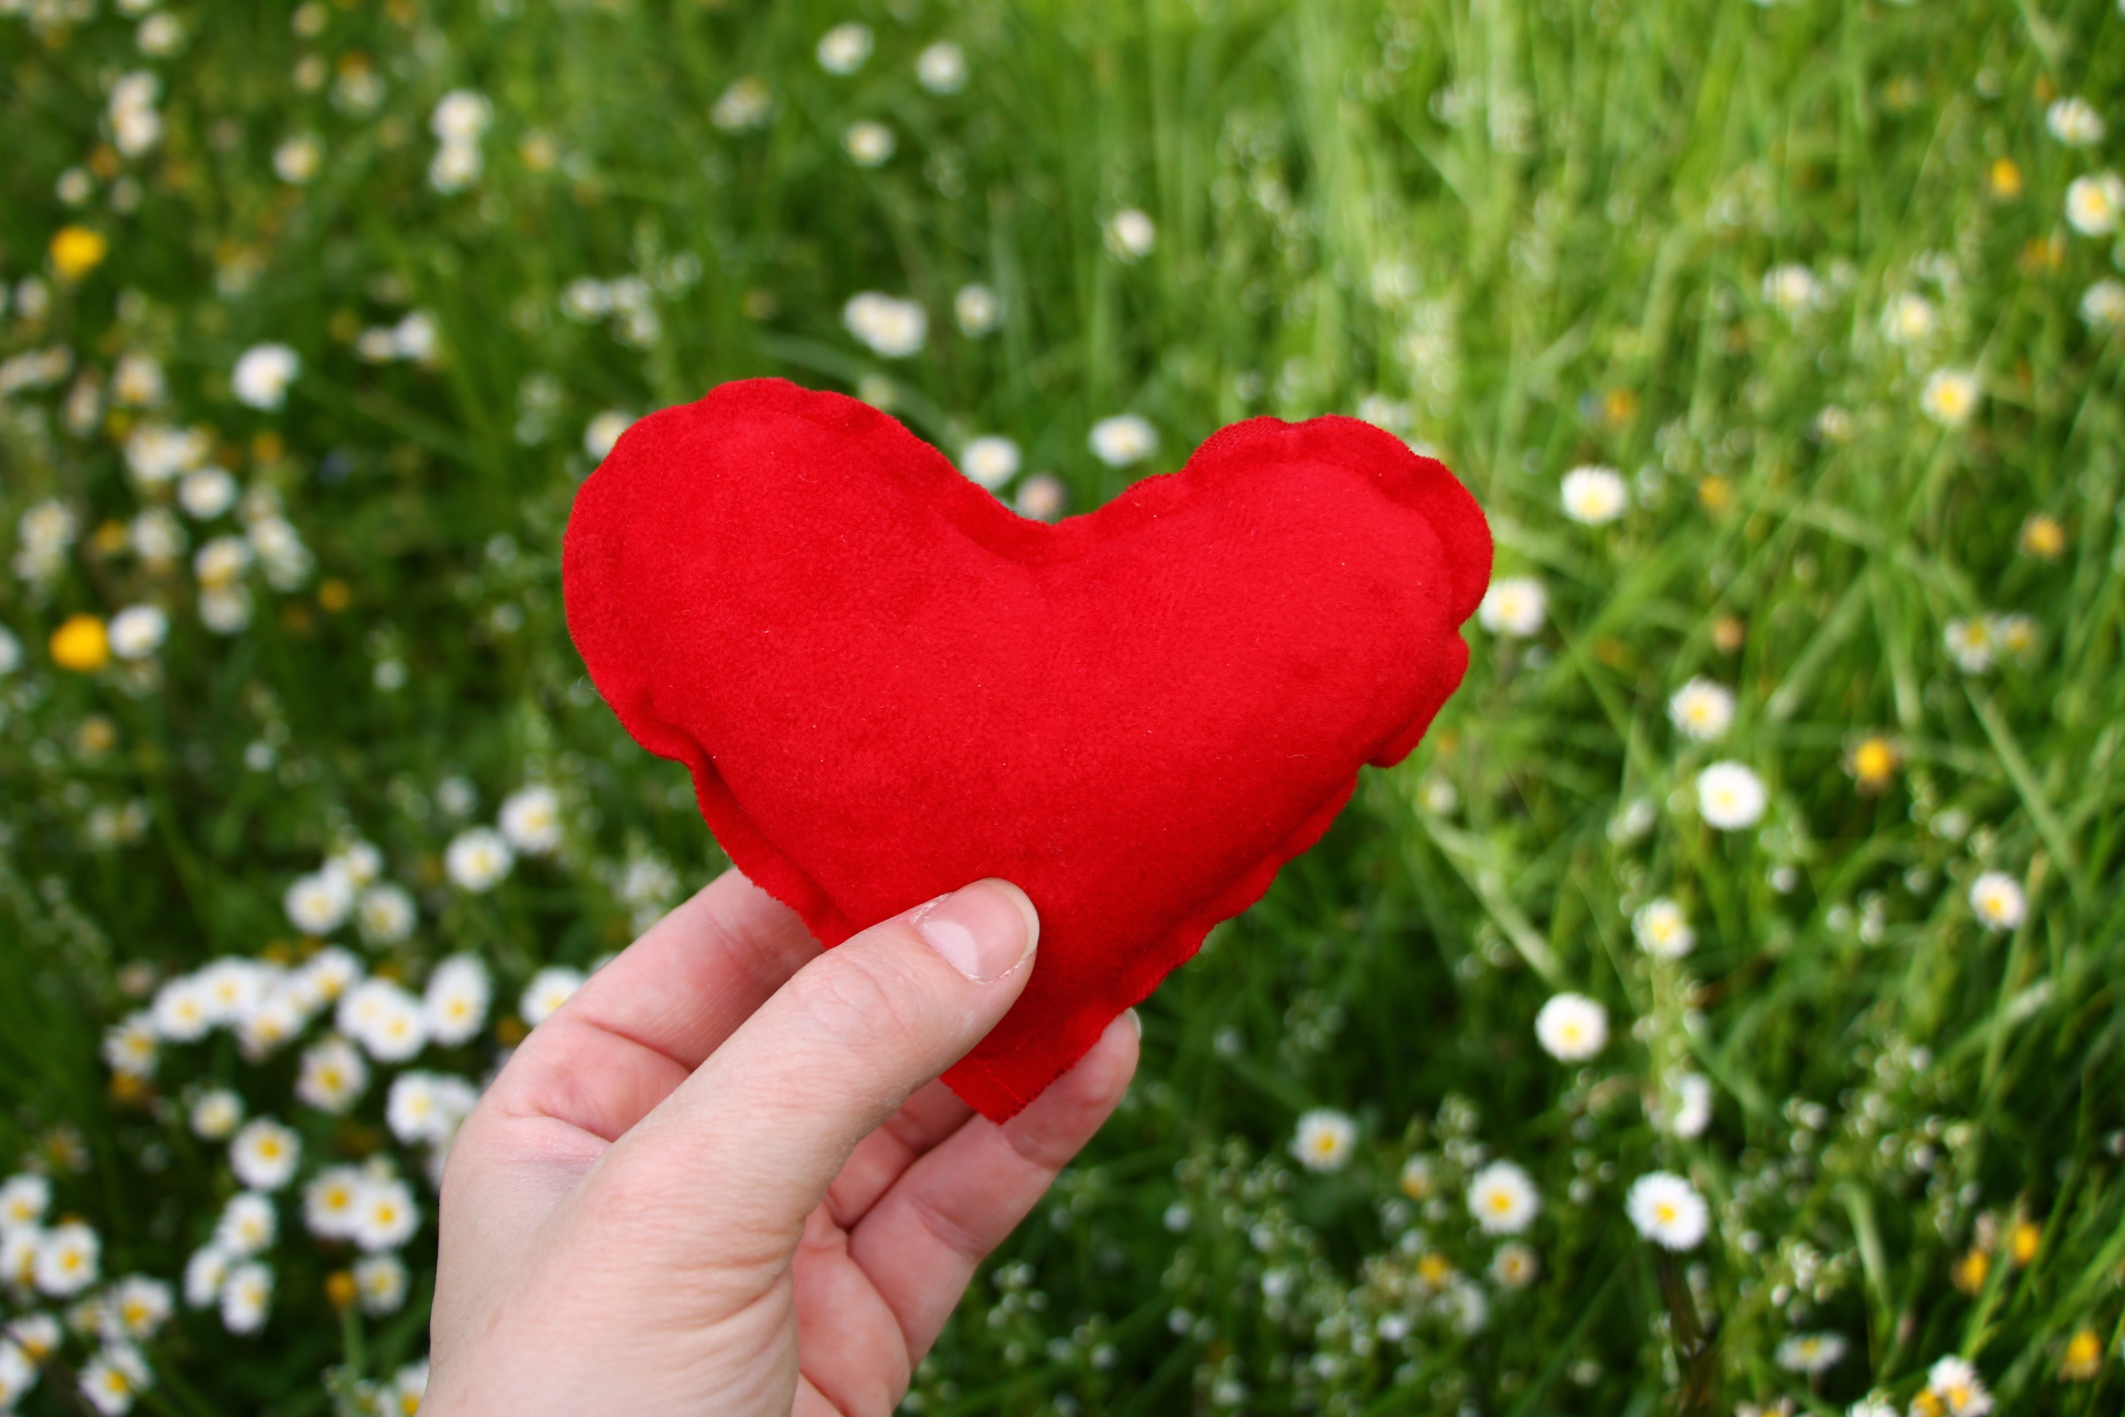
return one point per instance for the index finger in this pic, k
(640, 1025)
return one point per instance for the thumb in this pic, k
(750, 1142)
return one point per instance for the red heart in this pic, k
(887, 685)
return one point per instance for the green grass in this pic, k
(1543, 231)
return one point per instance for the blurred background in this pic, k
(1719, 1013)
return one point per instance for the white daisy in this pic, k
(990, 461)
(2074, 122)
(2103, 306)
(548, 990)
(1811, 1353)
(331, 1200)
(1702, 710)
(1908, 319)
(1130, 235)
(1123, 439)
(1692, 1107)
(385, 914)
(380, 1281)
(976, 309)
(1503, 1199)
(1730, 796)
(603, 432)
(110, 1380)
(1957, 1384)
(891, 328)
(24, 1198)
(248, 1224)
(297, 160)
(138, 631)
(140, 1306)
(1514, 1266)
(1949, 397)
(1996, 899)
(1792, 288)
(478, 859)
(1663, 930)
(747, 103)
(263, 373)
(263, 1154)
(1514, 607)
(384, 1018)
(531, 819)
(204, 1274)
(317, 904)
(942, 67)
(1594, 496)
(2093, 204)
(843, 48)
(868, 143)
(131, 1047)
(246, 1295)
(333, 1075)
(385, 1214)
(216, 1113)
(428, 1107)
(1324, 1140)
(68, 1259)
(1971, 644)
(181, 1010)
(1667, 1210)
(457, 999)
(1572, 1028)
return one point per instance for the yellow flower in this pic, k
(2043, 536)
(2005, 179)
(2022, 1241)
(2084, 1356)
(340, 1289)
(76, 251)
(1969, 1272)
(81, 644)
(1873, 763)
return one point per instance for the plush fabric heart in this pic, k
(886, 684)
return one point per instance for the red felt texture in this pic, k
(886, 684)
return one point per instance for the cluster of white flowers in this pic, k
(1792, 289)
(349, 883)
(459, 121)
(35, 368)
(135, 125)
(628, 301)
(63, 1261)
(1975, 644)
(414, 338)
(44, 534)
(888, 327)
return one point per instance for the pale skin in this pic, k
(723, 1179)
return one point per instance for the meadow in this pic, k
(1719, 1013)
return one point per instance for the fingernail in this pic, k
(1136, 1021)
(982, 930)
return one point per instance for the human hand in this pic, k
(722, 1178)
